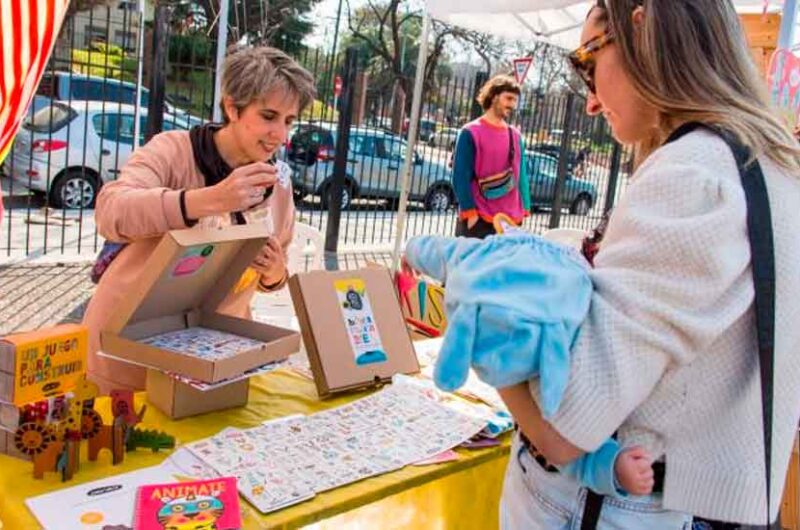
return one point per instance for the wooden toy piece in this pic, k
(33, 438)
(150, 439)
(47, 460)
(83, 392)
(69, 459)
(91, 423)
(122, 405)
(111, 437)
(503, 224)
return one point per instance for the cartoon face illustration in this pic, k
(354, 299)
(121, 408)
(190, 513)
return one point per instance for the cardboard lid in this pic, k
(336, 363)
(189, 269)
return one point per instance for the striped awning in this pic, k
(30, 28)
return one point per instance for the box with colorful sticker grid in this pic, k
(169, 322)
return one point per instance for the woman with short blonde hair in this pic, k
(212, 176)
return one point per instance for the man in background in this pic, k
(489, 175)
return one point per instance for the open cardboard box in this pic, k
(336, 363)
(185, 279)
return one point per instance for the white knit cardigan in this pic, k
(668, 352)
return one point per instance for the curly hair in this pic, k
(494, 87)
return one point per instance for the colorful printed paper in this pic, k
(784, 83)
(192, 260)
(204, 343)
(422, 304)
(359, 320)
(196, 505)
(290, 460)
(441, 458)
(110, 502)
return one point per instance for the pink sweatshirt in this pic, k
(138, 208)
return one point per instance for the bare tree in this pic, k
(278, 23)
(489, 48)
(379, 27)
(552, 68)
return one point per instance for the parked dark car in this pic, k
(577, 194)
(373, 168)
(555, 151)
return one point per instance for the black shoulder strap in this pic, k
(759, 228)
(510, 147)
(762, 255)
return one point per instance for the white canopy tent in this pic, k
(556, 21)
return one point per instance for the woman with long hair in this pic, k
(668, 355)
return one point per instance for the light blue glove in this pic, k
(514, 305)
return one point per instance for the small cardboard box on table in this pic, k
(353, 329)
(34, 366)
(181, 286)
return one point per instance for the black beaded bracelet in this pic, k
(186, 220)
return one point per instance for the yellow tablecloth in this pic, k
(463, 494)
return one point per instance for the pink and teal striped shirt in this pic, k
(482, 150)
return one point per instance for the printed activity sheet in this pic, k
(359, 321)
(110, 502)
(204, 343)
(288, 461)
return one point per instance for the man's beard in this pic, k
(503, 112)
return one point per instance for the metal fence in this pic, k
(588, 181)
(82, 128)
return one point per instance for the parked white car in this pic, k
(69, 87)
(69, 151)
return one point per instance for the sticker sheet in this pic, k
(287, 461)
(359, 321)
(204, 343)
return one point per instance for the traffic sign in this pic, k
(521, 67)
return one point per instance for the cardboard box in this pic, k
(353, 328)
(188, 275)
(182, 284)
(39, 364)
(8, 446)
(179, 400)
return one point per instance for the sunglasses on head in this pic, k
(583, 59)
